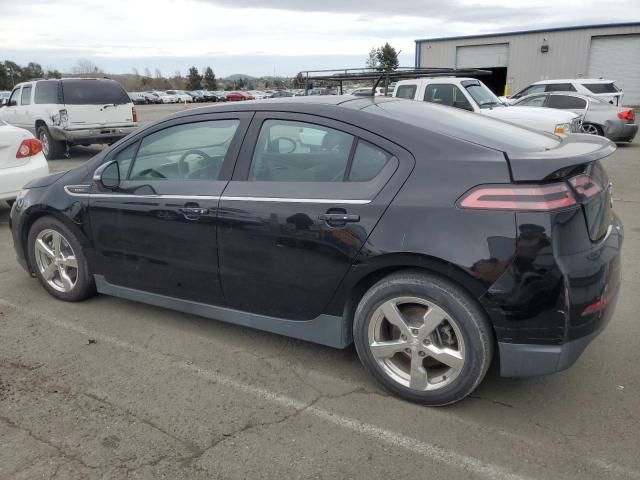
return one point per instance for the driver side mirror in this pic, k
(108, 175)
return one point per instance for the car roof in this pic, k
(402, 121)
(573, 80)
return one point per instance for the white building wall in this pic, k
(568, 55)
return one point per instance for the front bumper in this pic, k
(88, 136)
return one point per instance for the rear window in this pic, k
(93, 92)
(601, 87)
(406, 91)
(47, 92)
(468, 126)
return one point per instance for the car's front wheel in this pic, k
(58, 261)
(423, 338)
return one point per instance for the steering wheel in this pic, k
(151, 172)
(276, 141)
(182, 164)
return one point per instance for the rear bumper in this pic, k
(622, 132)
(13, 179)
(88, 136)
(557, 295)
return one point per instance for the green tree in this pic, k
(372, 59)
(14, 73)
(194, 79)
(299, 81)
(210, 82)
(387, 57)
(53, 74)
(32, 70)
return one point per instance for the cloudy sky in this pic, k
(263, 37)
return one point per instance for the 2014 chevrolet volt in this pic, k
(435, 239)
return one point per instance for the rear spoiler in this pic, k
(573, 150)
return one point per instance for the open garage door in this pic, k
(617, 58)
(482, 56)
(491, 57)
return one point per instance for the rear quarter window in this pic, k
(47, 92)
(560, 87)
(601, 87)
(93, 92)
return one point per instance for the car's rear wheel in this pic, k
(592, 129)
(423, 338)
(51, 148)
(57, 258)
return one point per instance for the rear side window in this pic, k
(560, 87)
(530, 90)
(93, 92)
(25, 98)
(601, 87)
(406, 91)
(537, 101)
(289, 151)
(446, 94)
(368, 161)
(46, 92)
(566, 102)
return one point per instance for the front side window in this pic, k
(193, 151)
(406, 91)
(290, 151)
(537, 101)
(446, 94)
(566, 102)
(46, 92)
(25, 98)
(13, 99)
(560, 87)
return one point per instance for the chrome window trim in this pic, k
(218, 197)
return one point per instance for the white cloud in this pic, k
(121, 31)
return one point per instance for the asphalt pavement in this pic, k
(111, 389)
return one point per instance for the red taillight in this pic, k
(28, 148)
(595, 306)
(519, 197)
(626, 115)
(585, 186)
(134, 114)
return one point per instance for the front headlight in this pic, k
(562, 129)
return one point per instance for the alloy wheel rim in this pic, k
(590, 129)
(56, 261)
(45, 143)
(416, 343)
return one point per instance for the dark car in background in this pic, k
(431, 237)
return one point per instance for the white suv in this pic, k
(473, 95)
(71, 111)
(600, 88)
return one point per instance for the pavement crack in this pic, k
(191, 447)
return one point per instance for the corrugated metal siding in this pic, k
(619, 54)
(568, 55)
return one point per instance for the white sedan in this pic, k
(21, 160)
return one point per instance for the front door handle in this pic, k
(338, 219)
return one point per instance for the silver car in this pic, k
(598, 117)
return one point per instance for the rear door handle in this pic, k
(193, 213)
(338, 219)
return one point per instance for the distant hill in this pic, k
(237, 76)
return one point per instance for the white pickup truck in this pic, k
(473, 95)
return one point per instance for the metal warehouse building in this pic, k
(517, 59)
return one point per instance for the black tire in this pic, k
(56, 148)
(10, 203)
(84, 286)
(467, 314)
(597, 128)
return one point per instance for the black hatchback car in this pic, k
(434, 238)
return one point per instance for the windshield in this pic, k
(93, 92)
(482, 95)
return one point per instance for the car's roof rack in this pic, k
(340, 75)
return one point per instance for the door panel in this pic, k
(157, 232)
(284, 246)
